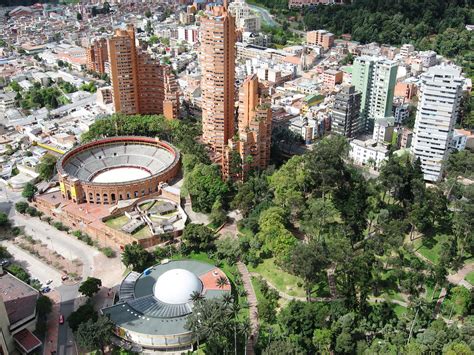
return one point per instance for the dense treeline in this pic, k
(397, 22)
(24, 2)
(364, 231)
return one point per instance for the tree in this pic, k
(322, 340)
(309, 261)
(218, 215)
(19, 272)
(83, 314)
(215, 320)
(79, 16)
(148, 13)
(29, 191)
(222, 282)
(47, 166)
(299, 320)
(4, 254)
(283, 347)
(4, 221)
(92, 335)
(135, 255)
(44, 306)
(197, 238)
(21, 206)
(205, 186)
(90, 286)
(318, 218)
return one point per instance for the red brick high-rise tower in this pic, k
(217, 57)
(140, 85)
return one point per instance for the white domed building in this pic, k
(153, 307)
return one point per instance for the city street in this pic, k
(95, 264)
(36, 268)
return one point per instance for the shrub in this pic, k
(21, 206)
(108, 252)
(33, 212)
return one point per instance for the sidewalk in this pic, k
(51, 340)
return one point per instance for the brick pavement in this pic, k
(51, 340)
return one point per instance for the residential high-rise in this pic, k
(217, 56)
(140, 85)
(438, 108)
(346, 111)
(375, 78)
(250, 148)
(97, 55)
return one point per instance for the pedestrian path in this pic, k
(253, 310)
(51, 340)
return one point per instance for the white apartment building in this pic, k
(441, 92)
(406, 50)
(367, 152)
(244, 18)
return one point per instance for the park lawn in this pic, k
(431, 252)
(147, 205)
(470, 278)
(117, 222)
(143, 232)
(430, 296)
(282, 280)
(399, 310)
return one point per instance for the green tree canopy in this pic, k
(90, 286)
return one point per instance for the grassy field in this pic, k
(282, 280)
(431, 251)
(143, 232)
(470, 278)
(399, 310)
(117, 222)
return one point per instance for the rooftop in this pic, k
(19, 297)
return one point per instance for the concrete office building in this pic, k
(375, 78)
(140, 85)
(97, 55)
(346, 111)
(438, 108)
(254, 131)
(217, 58)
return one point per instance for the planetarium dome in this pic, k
(176, 286)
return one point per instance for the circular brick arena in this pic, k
(114, 169)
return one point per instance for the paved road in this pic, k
(36, 268)
(66, 245)
(265, 15)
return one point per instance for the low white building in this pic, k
(459, 140)
(367, 152)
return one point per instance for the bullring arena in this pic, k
(115, 169)
(117, 191)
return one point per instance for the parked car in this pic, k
(45, 289)
(49, 282)
(64, 277)
(5, 262)
(61, 319)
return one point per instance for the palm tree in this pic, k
(196, 296)
(222, 282)
(227, 299)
